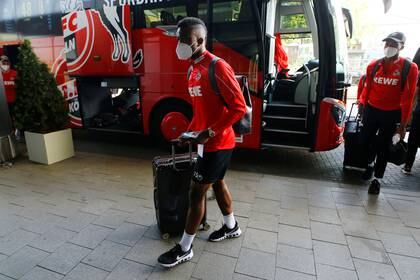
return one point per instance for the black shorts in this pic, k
(212, 167)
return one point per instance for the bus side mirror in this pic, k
(348, 22)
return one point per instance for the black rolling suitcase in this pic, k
(353, 152)
(172, 180)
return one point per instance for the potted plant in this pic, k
(40, 110)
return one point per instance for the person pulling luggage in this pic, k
(214, 113)
(414, 137)
(386, 105)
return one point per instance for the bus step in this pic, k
(286, 110)
(286, 138)
(284, 123)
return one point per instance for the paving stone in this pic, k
(22, 262)
(84, 272)
(127, 234)
(44, 224)
(351, 212)
(367, 249)
(78, 221)
(2, 277)
(91, 236)
(53, 239)
(328, 232)
(227, 247)
(416, 234)
(371, 270)
(256, 263)
(266, 206)
(297, 218)
(65, 258)
(296, 259)
(388, 224)
(324, 215)
(294, 203)
(347, 198)
(242, 196)
(107, 255)
(326, 272)
(179, 272)
(408, 268)
(9, 224)
(97, 206)
(283, 274)
(260, 240)
(111, 218)
(39, 273)
(143, 216)
(332, 254)
(362, 229)
(128, 270)
(147, 250)
(238, 276)
(15, 241)
(295, 236)
(263, 221)
(400, 244)
(214, 266)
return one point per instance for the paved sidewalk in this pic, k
(92, 218)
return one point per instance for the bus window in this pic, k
(8, 30)
(240, 49)
(295, 29)
(38, 18)
(164, 16)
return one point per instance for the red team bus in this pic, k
(115, 63)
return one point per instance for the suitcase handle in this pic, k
(174, 143)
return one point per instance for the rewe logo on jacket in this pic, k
(386, 81)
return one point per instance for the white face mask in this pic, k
(184, 51)
(390, 52)
(5, 68)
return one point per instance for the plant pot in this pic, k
(51, 147)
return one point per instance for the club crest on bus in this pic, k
(78, 33)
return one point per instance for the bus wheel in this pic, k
(170, 121)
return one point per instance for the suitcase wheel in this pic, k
(165, 236)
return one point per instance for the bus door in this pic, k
(244, 51)
(293, 63)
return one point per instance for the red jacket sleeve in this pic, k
(407, 96)
(232, 94)
(364, 93)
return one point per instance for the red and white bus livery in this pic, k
(115, 63)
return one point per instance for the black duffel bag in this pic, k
(398, 153)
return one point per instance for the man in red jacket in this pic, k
(387, 106)
(213, 117)
(9, 77)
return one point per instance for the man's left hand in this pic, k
(203, 137)
(401, 131)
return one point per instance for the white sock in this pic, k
(372, 164)
(229, 221)
(186, 241)
(379, 180)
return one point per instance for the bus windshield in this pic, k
(340, 36)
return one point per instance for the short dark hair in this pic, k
(191, 22)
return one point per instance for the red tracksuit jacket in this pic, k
(208, 108)
(9, 85)
(384, 90)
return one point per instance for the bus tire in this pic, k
(170, 120)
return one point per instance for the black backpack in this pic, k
(244, 125)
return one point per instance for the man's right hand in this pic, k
(361, 110)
